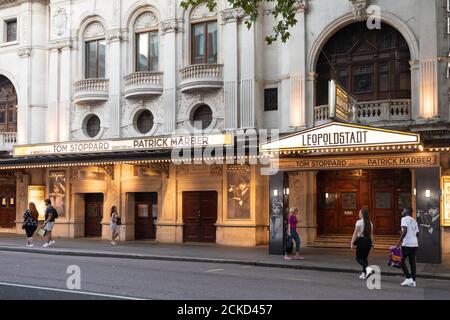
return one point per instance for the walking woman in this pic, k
(30, 223)
(292, 232)
(362, 239)
(114, 225)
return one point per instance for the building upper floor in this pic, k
(109, 69)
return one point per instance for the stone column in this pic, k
(59, 91)
(230, 19)
(297, 68)
(114, 38)
(415, 88)
(248, 77)
(310, 98)
(169, 29)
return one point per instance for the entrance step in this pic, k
(343, 241)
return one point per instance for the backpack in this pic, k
(54, 213)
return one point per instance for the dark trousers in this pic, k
(362, 252)
(30, 230)
(409, 252)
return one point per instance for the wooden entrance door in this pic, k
(145, 228)
(7, 206)
(93, 214)
(340, 195)
(391, 192)
(199, 216)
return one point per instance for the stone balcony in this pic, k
(143, 84)
(201, 76)
(7, 140)
(91, 91)
(382, 112)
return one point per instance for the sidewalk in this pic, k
(318, 259)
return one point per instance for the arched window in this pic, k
(144, 122)
(147, 44)
(203, 35)
(371, 64)
(95, 51)
(8, 106)
(93, 126)
(202, 117)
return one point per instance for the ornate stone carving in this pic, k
(182, 170)
(359, 8)
(24, 52)
(109, 170)
(216, 170)
(60, 21)
(60, 45)
(232, 14)
(145, 21)
(94, 30)
(169, 25)
(114, 35)
(201, 12)
(301, 5)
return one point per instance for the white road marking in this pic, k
(69, 291)
(297, 279)
(215, 270)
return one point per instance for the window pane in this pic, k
(363, 79)
(154, 51)
(93, 126)
(327, 200)
(91, 60)
(101, 59)
(145, 122)
(2, 115)
(271, 99)
(212, 42)
(349, 200)
(342, 77)
(142, 52)
(11, 31)
(383, 200)
(202, 117)
(198, 43)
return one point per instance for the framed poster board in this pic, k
(238, 192)
(36, 194)
(57, 188)
(446, 201)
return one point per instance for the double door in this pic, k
(93, 214)
(199, 216)
(145, 215)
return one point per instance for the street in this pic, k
(36, 276)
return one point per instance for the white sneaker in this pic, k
(113, 243)
(46, 245)
(412, 284)
(407, 282)
(52, 242)
(362, 275)
(30, 245)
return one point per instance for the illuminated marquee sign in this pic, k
(337, 135)
(340, 102)
(103, 146)
(376, 161)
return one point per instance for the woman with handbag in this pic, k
(114, 224)
(362, 239)
(293, 233)
(30, 223)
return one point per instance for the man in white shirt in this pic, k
(409, 243)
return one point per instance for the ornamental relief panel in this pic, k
(187, 101)
(78, 115)
(133, 106)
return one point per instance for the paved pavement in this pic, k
(318, 259)
(30, 276)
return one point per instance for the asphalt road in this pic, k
(38, 277)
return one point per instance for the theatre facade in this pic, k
(98, 97)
